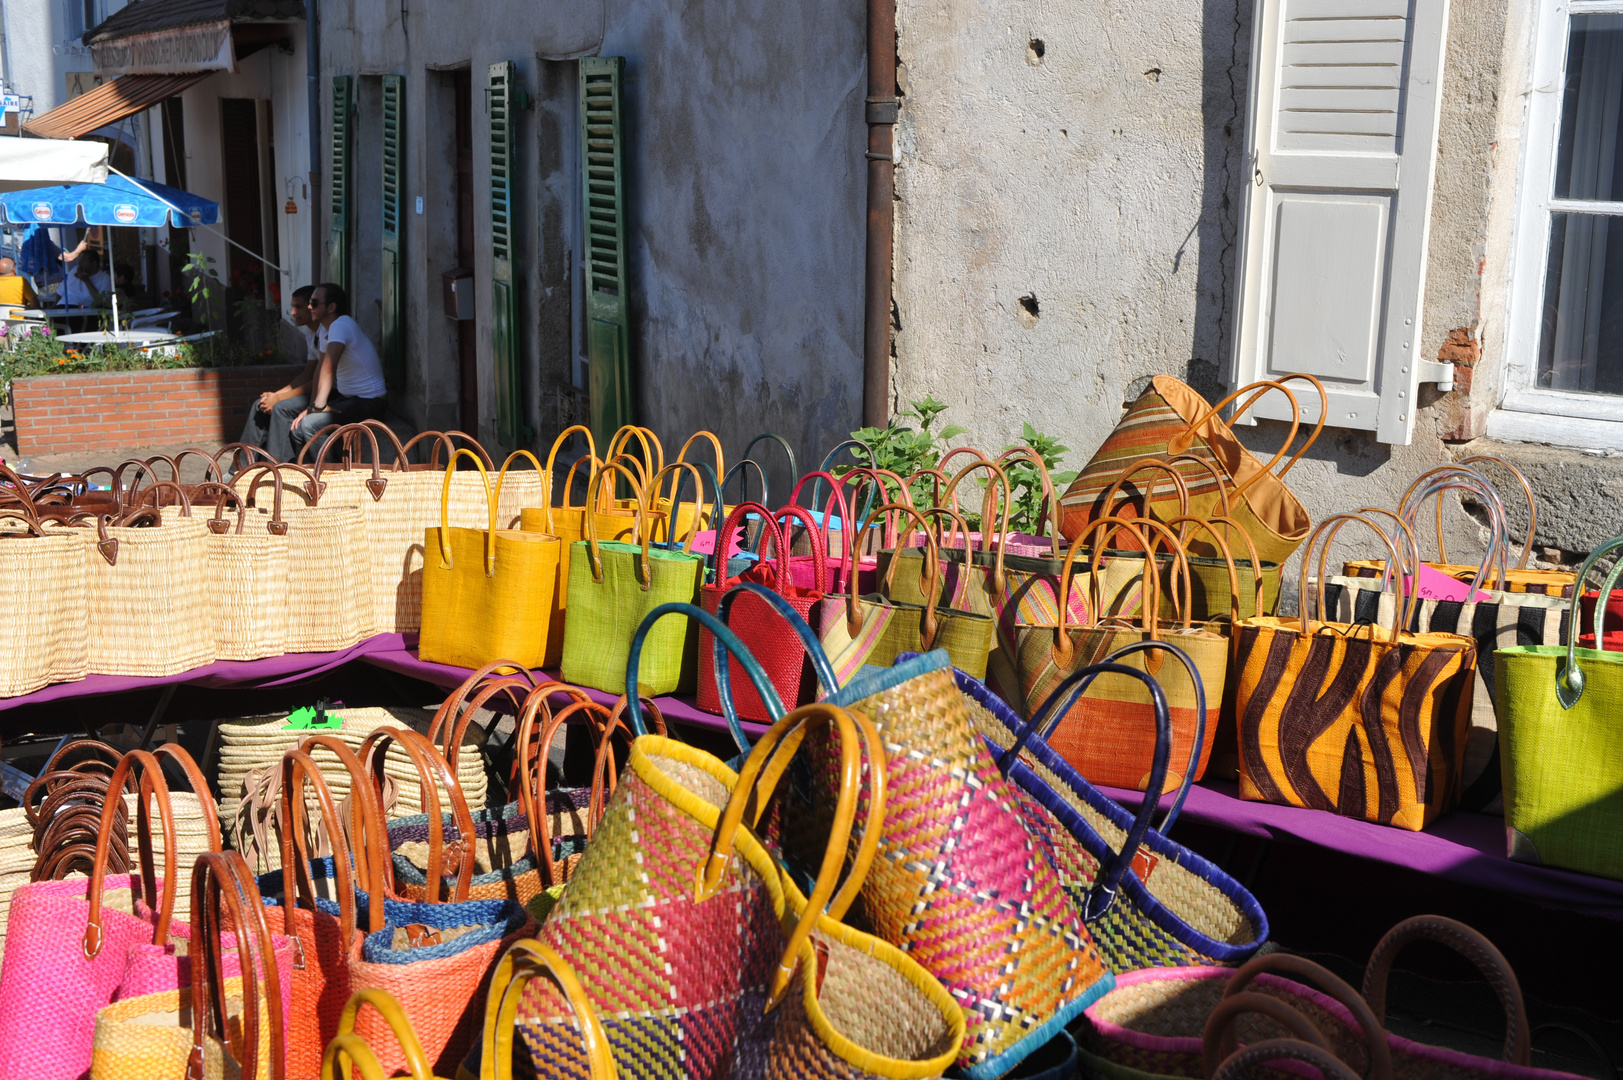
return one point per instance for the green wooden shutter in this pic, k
(343, 105)
(502, 98)
(608, 323)
(394, 200)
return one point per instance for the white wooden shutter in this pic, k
(1342, 133)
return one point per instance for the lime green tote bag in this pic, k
(612, 585)
(1561, 745)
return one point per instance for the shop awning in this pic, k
(32, 163)
(108, 104)
(151, 37)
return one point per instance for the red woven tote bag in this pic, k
(773, 641)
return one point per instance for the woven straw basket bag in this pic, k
(329, 562)
(43, 571)
(255, 746)
(148, 595)
(248, 579)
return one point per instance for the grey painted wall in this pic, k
(745, 176)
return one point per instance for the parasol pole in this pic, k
(184, 217)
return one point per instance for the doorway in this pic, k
(244, 205)
(467, 339)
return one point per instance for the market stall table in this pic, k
(1462, 847)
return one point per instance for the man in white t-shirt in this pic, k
(273, 411)
(348, 385)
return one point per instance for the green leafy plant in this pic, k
(201, 280)
(903, 450)
(1026, 513)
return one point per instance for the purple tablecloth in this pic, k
(681, 709)
(1464, 847)
(221, 675)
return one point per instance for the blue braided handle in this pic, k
(1200, 720)
(1103, 894)
(725, 639)
(814, 648)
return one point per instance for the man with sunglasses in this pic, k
(347, 385)
(272, 413)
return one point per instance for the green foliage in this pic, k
(904, 451)
(1026, 515)
(201, 280)
(36, 350)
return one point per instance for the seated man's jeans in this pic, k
(270, 430)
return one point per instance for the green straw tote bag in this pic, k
(612, 585)
(1561, 745)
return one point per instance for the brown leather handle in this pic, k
(164, 906)
(534, 789)
(1219, 1042)
(430, 766)
(448, 716)
(1475, 948)
(200, 785)
(366, 835)
(1244, 1062)
(1303, 970)
(239, 907)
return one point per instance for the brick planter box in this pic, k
(116, 410)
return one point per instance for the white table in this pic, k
(123, 337)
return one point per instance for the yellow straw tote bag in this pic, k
(1349, 718)
(1170, 419)
(487, 593)
(612, 585)
(147, 591)
(567, 523)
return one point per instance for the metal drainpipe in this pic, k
(312, 50)
(882, 107)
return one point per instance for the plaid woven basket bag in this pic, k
(1167, 906)
(960, 883)
(705, 960)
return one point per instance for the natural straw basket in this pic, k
(396, 513)
(259, 742)
(147, 592)
(329, 583)
(248, 580)
(44, 637)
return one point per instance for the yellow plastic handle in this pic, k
(417, 1064)
(552, 459)
(765, 765)
(445, 512)
(523, 961)
(501, 478)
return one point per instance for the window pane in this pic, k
(1581, 343)
(1588, 165)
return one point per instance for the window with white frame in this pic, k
(1565, 355)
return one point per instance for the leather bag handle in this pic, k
(1302, 970)
(552, 459)
(1475, 948)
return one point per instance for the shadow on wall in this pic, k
(1226, 53)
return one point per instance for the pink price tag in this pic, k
(1436, 585)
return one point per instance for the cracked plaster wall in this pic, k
(1103, 178)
